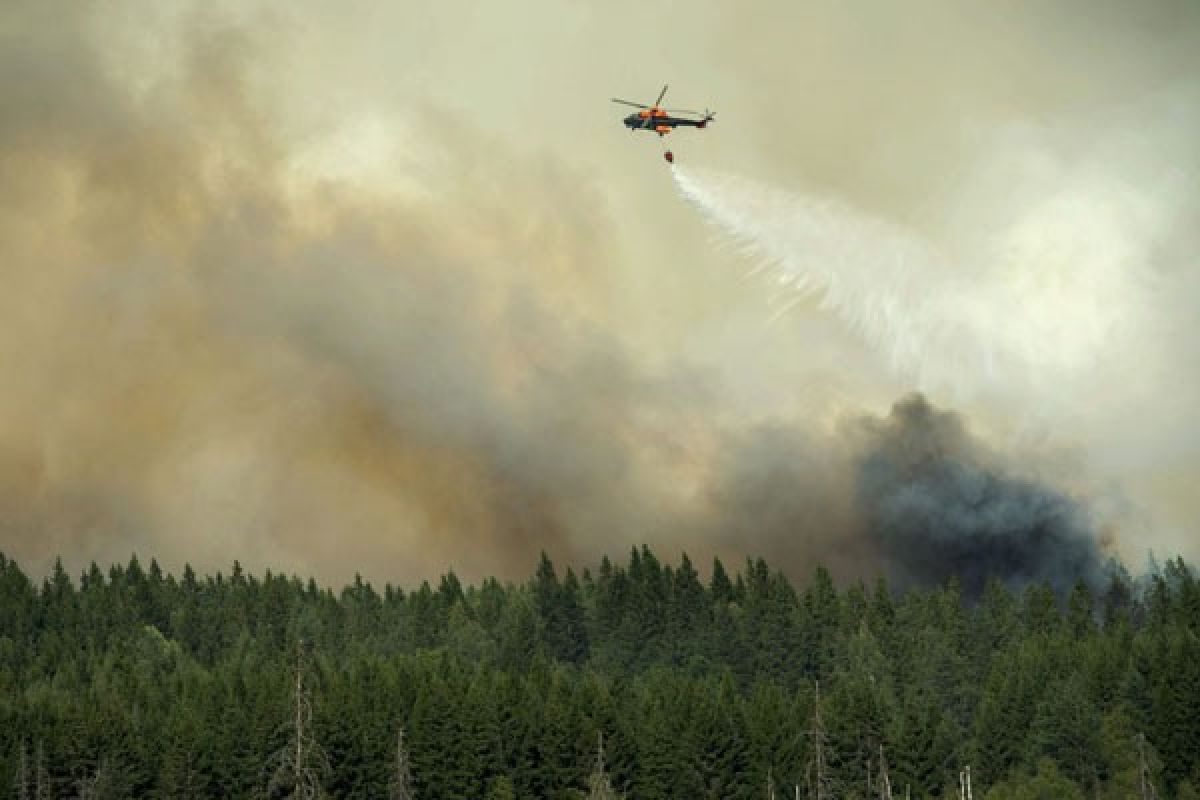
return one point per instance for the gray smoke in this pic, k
(937, 506)
(912, 495)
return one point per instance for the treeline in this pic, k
(134, 683)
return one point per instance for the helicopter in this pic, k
(660, 120)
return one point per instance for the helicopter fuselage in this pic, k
(660, 122)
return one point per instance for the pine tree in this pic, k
(501, 788)
(861, 705)
(1047, 783)
(775, 732)
(688, 615)
(519, 643)
(696, 696)
(720, 587)
(1080, 611)
(1066, 730)
(719, 751)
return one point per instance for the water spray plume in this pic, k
(864, 268)
(998, 315)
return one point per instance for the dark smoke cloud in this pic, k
(936, 505)
(911, 495)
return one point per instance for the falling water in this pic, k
(1025, 304)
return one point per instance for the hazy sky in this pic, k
(387, 288)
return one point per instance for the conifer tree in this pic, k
(177, 684)
(720, 586)
(501, 788)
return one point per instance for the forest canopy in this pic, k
(132, 682)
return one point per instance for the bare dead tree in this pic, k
(770, 784)
(301, 763)
(1147, 786)
(41, 778)
(964, 783)
(885, 782)
(820, 784)
(92, 785)
(21, 780)
(599, 784)
(188, 790)
(402, 782)
(85, 786)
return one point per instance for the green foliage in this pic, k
(501, 788)
(1046, 784)
(133, 683)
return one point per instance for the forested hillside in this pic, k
(134, 683)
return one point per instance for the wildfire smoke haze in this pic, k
(338, 309)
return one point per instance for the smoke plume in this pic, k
(937, 506)
(281, 289)
(912, 495)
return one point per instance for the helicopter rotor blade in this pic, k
(661, 95)
(626, 102)
(684, 111)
